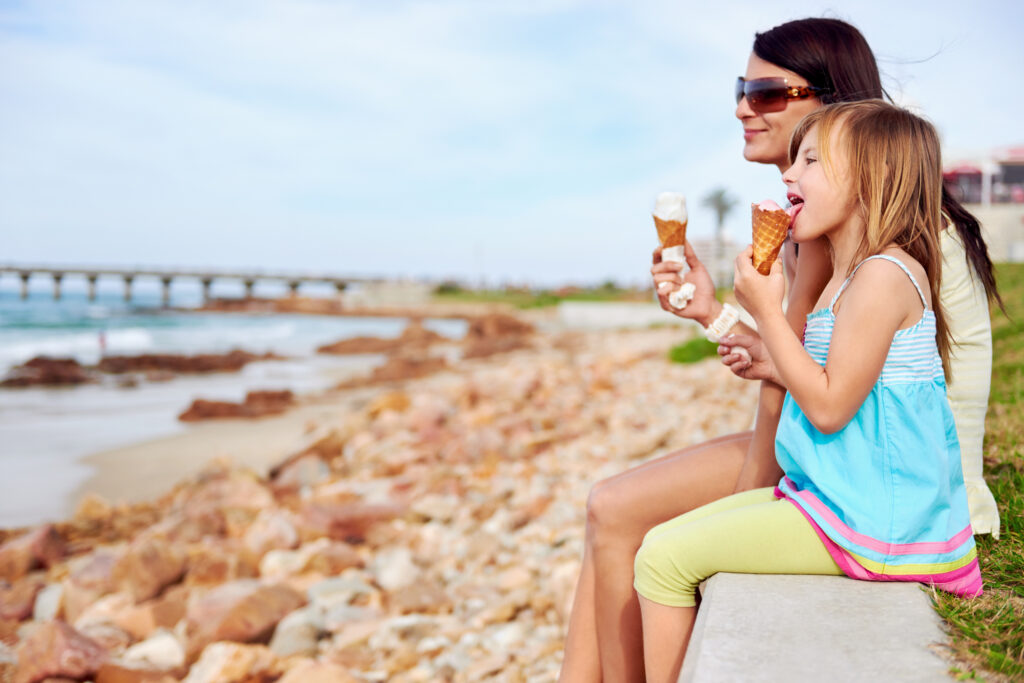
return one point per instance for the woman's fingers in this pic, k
(666, 267)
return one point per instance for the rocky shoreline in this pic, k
(431, 533)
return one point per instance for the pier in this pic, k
(167, 276)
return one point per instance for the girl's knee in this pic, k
(606, 506)
(658, 575)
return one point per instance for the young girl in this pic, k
(872, 484)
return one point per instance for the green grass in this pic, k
(987, 633)
(696, 349)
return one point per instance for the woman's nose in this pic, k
(743, 110)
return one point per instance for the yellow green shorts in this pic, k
(746, 533)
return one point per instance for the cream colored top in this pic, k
(966, 306)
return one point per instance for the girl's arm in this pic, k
(874, 306)
(813, 270)
(811, 273)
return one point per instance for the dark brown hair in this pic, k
(833, 55)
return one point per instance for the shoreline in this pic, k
(146, 470)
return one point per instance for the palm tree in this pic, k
(721, 202)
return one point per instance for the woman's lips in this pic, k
(749, 134)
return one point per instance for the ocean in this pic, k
(45, 432)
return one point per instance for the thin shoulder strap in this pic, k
(895, 260)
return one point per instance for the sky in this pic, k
(495, 142)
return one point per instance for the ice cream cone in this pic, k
(769, 228)
(670, 233)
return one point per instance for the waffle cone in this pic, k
(670, 233)
(769, 230)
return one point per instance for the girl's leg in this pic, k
(750, 533)
(604, 624)
(664, 629)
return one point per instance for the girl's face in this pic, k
(766, 136)
(822, 201)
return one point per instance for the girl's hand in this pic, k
(703, 307)
(747, 357)
(758, 294)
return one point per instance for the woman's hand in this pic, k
(758, 294)
(747, 357)
(703, 307)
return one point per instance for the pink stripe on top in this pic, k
(870, 543)
(964, 581)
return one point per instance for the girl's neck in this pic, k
(845, 241)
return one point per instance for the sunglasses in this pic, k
(772, 94)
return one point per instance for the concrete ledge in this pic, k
(755, 627)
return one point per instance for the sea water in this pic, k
(44, 432)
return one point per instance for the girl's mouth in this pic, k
(796, 203)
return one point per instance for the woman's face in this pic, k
(766, 136)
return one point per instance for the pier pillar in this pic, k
(166, 291)
(91, 279)
(57, 277)
(128, 279)
(24, 284)
(294, 287)
(207, 282)
(249, 284)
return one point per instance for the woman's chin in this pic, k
(752, 152)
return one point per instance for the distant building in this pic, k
(991, 186)
(717, 257)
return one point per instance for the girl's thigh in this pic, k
(668, 486)
(748, 533)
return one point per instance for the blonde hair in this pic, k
(896, 172)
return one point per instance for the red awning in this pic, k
(961, 169)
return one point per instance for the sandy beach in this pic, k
(421, 530)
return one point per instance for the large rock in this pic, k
(116, 672)
(297, 633)
(241, 611)
(18, 600)
(232, 361)
(55, 650)
(415, 337)
(49, 603)
(212, 563)
(47, 372)
(318, 672)
(256, 404)
(148, 565)
(234, 663)
(162, 651)
(40, 547)
(344, 521)
(272, 530)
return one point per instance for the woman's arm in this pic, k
(704, 307)
(864, 327)
(813, 270)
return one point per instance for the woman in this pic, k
(811, 62)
